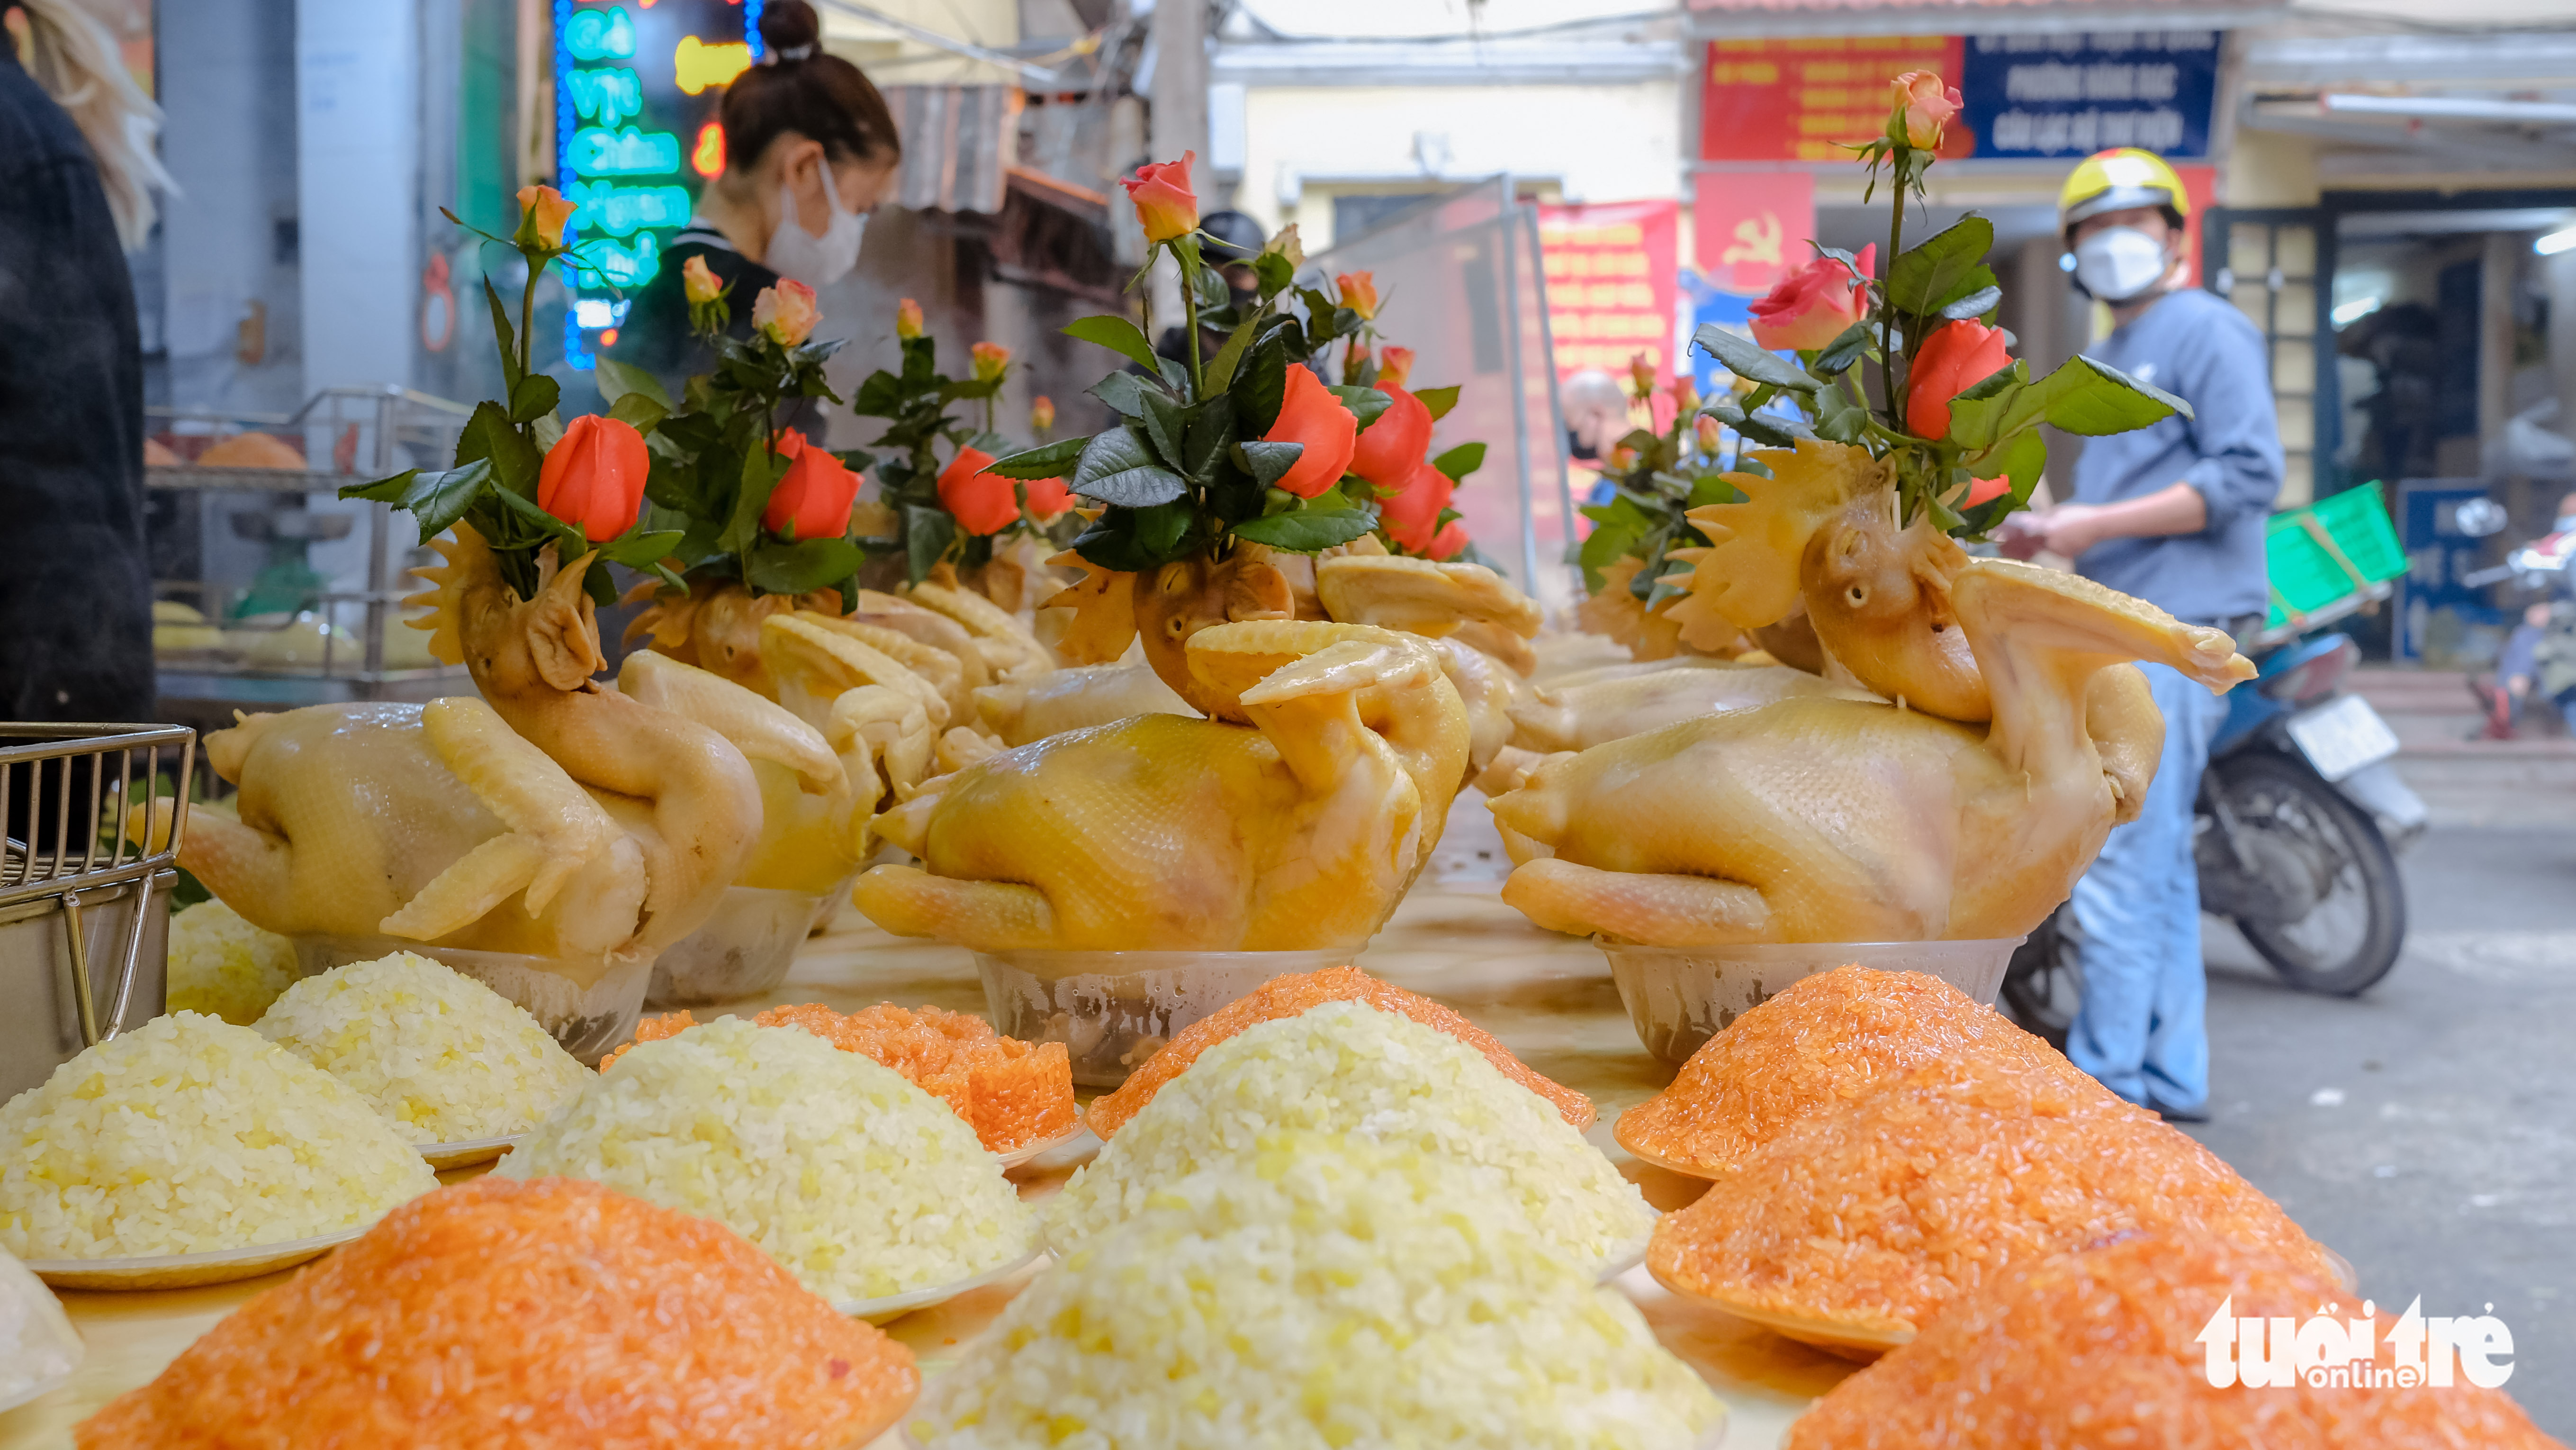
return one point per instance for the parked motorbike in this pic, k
(2299, 818)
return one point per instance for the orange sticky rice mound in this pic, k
(1876, 1218)
(1817, 1046)
(550, 1313)
(1013, 1094)
(2100, 1348)
(1294, 994)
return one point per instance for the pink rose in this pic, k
(1813, 305)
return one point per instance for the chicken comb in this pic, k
(1104, 612)
(1749, 575)
(467, 558)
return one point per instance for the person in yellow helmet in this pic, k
(2173, 514)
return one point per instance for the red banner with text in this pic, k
(1800, 99)
(1613, 284)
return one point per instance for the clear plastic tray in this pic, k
(895, 1306)
(184, 1271)
(1680, 997)
(46, 1349)
(1019, 1156)
(743, 950)
(465, 1153)
(590, 1010)
(1113, 1010)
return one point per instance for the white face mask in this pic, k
(2566, 524)
(800, 256)
(2118, 264)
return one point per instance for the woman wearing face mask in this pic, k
(2173, 514)
(810, 148)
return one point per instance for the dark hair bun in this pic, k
(788, 24)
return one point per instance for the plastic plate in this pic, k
(465, 1153)
(183, 1271)
(1622, 1259)
(1018, 1156)
(1659, 1161)
(38, 1390)
(895, 1306)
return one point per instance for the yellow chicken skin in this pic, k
(1818, 819)
(1301, 829)
(1593, 712)
(1033, 707)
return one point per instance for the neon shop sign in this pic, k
(636, 85)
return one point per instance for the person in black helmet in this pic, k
(1232, 241)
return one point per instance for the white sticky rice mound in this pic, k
(447, 1058)
(225, 967)
(1319, 1290)
(859, 1183)
(189, 1135)
(1346, 1067)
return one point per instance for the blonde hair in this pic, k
(72, 54)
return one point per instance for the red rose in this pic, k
(1986, 490)
(1310, 414)
(593, 478)
(815, 497)
(1451, 538)
(1813, 305)
(1955, 358)
(1412, 516)
(982, 501)
(1048, 499)
(1388, 449)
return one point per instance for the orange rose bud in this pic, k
(593, 478)
(543, 211)
(1709, 438)
(814, 499)
(1922, 107)
(1042, 413)
(907, 319)
(1359, 293)
(786, 313)
(1393, 366)
(1985, 491)
(1164, 201)
(1388, 448)
(1048, 499)
(991, 359)
(1446, 543)
(1641, 375)
(700, 283)
(1310, 415)
(1412, 516)
(1955, 358)
(1813, 305)
(982, 501)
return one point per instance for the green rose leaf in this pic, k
(1262, 388)
(489, 434)
(501, 333)
(1220, 369)
(1438, 400)
(1308, 530)
(638, 412)
(1211, 433)
(1269, 462)
(761, 471)
(881, 396)
(1117, 467)
(927, 533)
(1977, 412)
(1930, 273)
(1160, 529)
(1746, 358)
(1165, 423)
(438, 500)
(1975, 304)
(636, 550)
(1050, 460)
(1839, 418)
(802, 567)
(1846, 348)
(2102, 400)
(966, 388)
(1114, 333)
(622, 379)
(1365, 403)
(533, 397)
(1122, 391)
(1112, 542)
(1460, 461)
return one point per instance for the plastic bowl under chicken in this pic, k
(1680, 997)
(744, 949)
(589, 1009)
(1113, 1010)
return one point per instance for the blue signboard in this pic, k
(2076, 93)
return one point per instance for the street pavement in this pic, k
(2427, 1129)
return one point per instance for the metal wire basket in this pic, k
(94, 817)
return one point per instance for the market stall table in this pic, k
(1548, 997)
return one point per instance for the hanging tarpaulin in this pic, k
(1612, 284)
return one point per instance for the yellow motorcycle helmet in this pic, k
(2116, 180)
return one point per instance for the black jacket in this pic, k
(75, 588)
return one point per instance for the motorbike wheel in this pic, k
(2043, 985)
(2350, 939)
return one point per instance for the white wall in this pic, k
(227, 90)
(358, 103)
(1601, 143)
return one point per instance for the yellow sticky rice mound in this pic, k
(189, 1135)
(859, 1183)
(1346, 1067)
(225, 967)
(447, 1058)
(1319, 1290)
